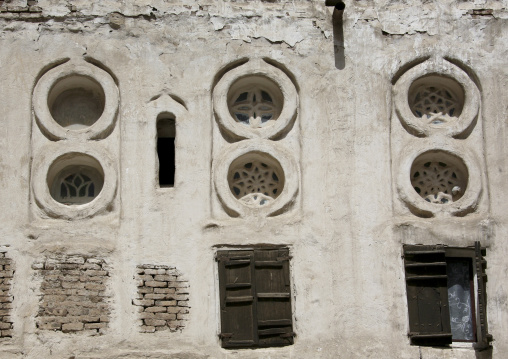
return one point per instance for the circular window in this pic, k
(439, 177)
(255, 101)
(435, 99)
(76, 102)
(75, 179)
(256, 178)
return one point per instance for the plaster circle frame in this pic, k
(62, 155)
(287, 163)
(414, 124)
(255, 69)
(53, 129)
(465, 204)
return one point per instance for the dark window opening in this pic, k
(166, 134)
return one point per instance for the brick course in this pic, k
(163, 298)
(73, 295)
(6, 299)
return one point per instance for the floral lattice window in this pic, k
(256, 181)
(439, 179)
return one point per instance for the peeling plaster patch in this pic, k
(410, 24)
(218, 23)
(277, 55)
(239, 32)
(369, 14)
(322, 27)
(272, 32)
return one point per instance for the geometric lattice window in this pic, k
(439, 177)
(436, 100)
(76, 184)
(255, 101)
(256, 179)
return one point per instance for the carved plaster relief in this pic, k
(74, 167)
(245, 191)
(437, 139)
(256, 172)
(436, 97)
(55, 164)
(255, 100)
(75, 101)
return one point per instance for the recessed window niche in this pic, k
(436, 99)
(256, 178)
(255, 101)
(76, 102)
(166, 134)
(439, 177)
(75, 179)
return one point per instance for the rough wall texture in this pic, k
(6, 298)
(163, 298)
(346, 150)
(73, 295)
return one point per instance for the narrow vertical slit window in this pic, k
(166, 134)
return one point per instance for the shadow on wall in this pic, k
(484, 354)
(338, 32)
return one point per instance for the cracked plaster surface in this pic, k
(178, 47)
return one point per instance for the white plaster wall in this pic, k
(345, 237)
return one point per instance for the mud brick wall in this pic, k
(73, 294)
(6, 273)
(163, 298)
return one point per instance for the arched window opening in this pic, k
(166, 134)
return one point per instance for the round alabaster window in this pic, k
(436, 100)
(255, 101)
(76, 102)
(439, 177)
(76, 179)
(256, 179)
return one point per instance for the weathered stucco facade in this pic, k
(344, 133)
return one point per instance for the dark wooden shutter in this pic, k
(255, 298)
(427, 295)
(273, 297)
(237, 295)
(481, 265)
